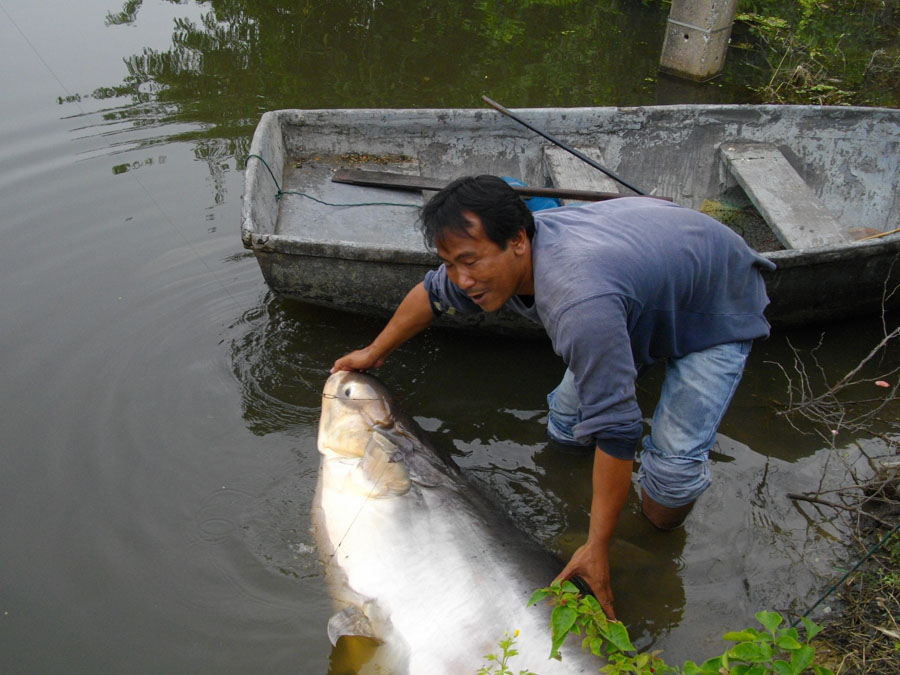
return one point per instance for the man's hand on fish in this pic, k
(591, 563)
(361, 359)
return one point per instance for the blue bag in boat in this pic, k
(534, 203)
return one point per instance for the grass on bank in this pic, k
(838, 52)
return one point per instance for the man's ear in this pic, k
(519, 241)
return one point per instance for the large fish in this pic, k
(416, 556)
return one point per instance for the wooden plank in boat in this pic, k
(398, 181)
(781, 196)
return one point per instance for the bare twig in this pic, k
(835, 505)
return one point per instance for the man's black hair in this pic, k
(502, 211)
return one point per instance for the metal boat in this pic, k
(812, 188)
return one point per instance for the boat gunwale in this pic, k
(285, 244)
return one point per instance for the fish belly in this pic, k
(435, 581)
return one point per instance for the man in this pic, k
(617, 285)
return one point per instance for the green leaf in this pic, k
(801, 658)
(787, 642)
(691, 668)
(770, 620)
(569, 587)
(812, 629)
(618, 635)
(782, 667)
(793, 632)
(591, 602)
(596, 646)
(822, 670)
(750, 651)
(746, 635)
(561, 621)
(538, 595)
(713, 665)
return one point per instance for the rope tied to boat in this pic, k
(280, 193)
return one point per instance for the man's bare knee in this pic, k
(664, 517)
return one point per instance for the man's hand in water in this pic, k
(592, 565)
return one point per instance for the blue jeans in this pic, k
(695, 395)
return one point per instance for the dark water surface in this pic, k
(159, 406)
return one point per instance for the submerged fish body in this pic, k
(416, 556)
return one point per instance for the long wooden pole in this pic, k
(579, 155)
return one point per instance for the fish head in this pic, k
(358, 428)
(353, 406)
(362, 423)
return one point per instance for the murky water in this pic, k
(159, 406)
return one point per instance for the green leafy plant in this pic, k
(499, 662)
(778, 649)
(582, 615)
(774, 650)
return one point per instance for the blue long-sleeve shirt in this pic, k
(622, 283)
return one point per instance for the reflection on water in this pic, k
(280, 377)
(242, 58)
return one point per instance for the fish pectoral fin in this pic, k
(424, 473)
(351, 622)
(423, 467)
(387, 476)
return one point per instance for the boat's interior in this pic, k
(782, 178)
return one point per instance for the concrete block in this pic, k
(696, 40)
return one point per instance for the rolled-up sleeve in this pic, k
(592, 337)
(444, 297)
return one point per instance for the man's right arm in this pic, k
(611, 481)
(412, 316)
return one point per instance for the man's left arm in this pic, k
(611, 480)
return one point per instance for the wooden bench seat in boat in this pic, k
(565, 170)
(781, 196)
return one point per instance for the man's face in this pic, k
(488, 274)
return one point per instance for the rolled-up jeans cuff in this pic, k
(672, 481)
(560, 430)
(563, 413)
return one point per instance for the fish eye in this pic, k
(347, 392)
